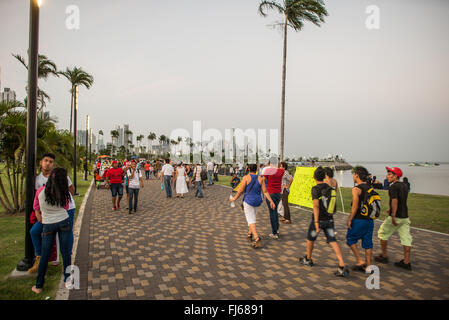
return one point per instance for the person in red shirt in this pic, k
(114, 178)
(272, 175)
(147, 170)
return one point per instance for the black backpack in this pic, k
(371, 204)
(329, 199)
(203, 175)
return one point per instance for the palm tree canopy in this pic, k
(78, 77)
(45, 68)
(297, 11)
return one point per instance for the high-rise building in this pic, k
(8, 95)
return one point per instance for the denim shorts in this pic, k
(116, 188)
(327, 226)
(361, 229)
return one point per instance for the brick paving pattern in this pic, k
(197, 249)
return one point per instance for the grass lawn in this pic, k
(12, 250)
(426, 211)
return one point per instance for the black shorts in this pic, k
(325, 225)
(116, 188)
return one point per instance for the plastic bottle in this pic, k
(233, 202)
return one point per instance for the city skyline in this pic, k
(385, 86)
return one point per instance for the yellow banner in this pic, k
(301, 188)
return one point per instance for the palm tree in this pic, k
(294, 12)
(162, 139)
(152, 136)
(114, 136)
(45, 68)
(139, 140)
(77, 77)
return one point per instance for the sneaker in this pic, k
(402, 264)
(381, 259)
(130, 212)
(114, 208)
(342, 272)
(306, 262)
(273, 236)
(361, 268)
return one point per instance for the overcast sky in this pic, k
(158, 65)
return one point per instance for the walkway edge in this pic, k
(63, 292)
(308, 210)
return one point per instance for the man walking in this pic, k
(114, 179)
(360, 225)
(398, 219)
(322, 220)
(197, 176)
(210, 172)
(272, 175)
(135, 182)
(287, 181)
(166, 176)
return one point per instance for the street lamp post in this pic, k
(75, 105)
(90, 148)
(33, 52)
(87, 148)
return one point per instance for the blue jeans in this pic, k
(209, 176)
(147, 174)
(64, 230)
(36, 234)
(167, 185)
(198, 189)
(133, 193)
(274, 218)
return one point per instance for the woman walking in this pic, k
(181, 184)
(50, 206)
(251, 187)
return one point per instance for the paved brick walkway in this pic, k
(196, 249)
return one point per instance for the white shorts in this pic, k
(250, 213)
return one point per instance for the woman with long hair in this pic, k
(50, 205)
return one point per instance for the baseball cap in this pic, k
(395, 170)
(115, 161)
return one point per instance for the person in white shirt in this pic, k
(197, 177)
(46, 166)
(135, 182)
(210, 171)
(166, 176)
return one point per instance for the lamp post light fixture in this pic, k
(31, 140)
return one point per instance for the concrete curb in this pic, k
(308, 210)
(63, 292)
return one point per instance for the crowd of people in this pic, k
(54, 207)
(273, 181)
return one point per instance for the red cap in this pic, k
(115, 161)
(396, 171)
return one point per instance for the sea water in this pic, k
(427, 180)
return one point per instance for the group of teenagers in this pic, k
(273, 181)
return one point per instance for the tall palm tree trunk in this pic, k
(71, 111)
(284, 73)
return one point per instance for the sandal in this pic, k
(361, 268)
(257, 243)
(249, 237)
